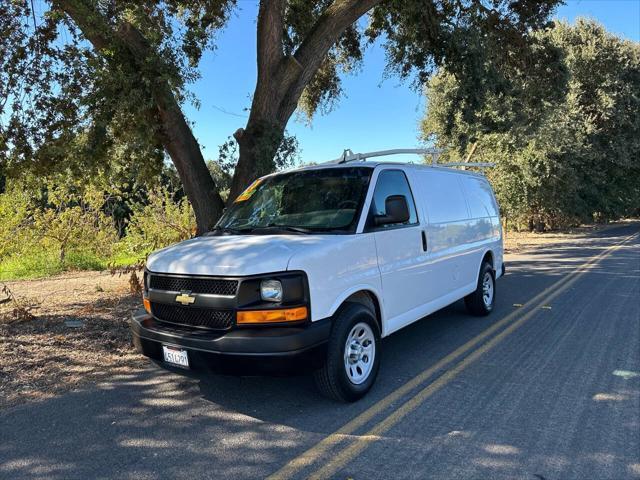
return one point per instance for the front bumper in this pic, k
(241, 351)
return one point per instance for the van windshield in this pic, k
(324, 200)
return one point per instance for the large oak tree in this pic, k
(567, 151)
(85, 84)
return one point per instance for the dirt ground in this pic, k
(79, 333)
(74, 327)
(515, 242)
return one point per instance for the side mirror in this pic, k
(396, 211)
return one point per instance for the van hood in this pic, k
(233, 255)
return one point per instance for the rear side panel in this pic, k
(485, 218)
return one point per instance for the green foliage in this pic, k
(15, 210)
(73, 222)
(161, 221)
(73, 227)
(35, 263)
(564, 155)
(477, 41)
(67, 105)
(58, 229)
(91, 87)
(76, 96)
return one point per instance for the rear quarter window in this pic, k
(482, 203)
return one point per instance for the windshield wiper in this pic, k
(272, 227)
(223, 230)
(261, 230)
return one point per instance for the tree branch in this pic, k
(270, 58)
(175, 133)
(270, 28)
(325, 33)
(91, 24)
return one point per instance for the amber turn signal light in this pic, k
(147, 304)
(271, 316)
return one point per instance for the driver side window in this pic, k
(390, 182)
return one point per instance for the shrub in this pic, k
(15, 220)
(158, 223)
(56, 230)
(74, 223)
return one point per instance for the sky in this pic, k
(374, 114)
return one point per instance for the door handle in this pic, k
(424, 240)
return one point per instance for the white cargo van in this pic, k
(310, 268)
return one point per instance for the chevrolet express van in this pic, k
(310, 268)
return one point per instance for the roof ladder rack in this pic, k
(348, 156)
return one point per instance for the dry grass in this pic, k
(515, 242)
(45, 355)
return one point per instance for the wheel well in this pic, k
(488, 257)
(369, 299)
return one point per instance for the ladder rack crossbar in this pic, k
(349, 156)
(469, 164)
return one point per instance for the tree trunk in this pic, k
(183, 148)
(178, 140)
(282, 79)
(176, 136)
(258, 144)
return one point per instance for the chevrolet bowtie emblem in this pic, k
(185, 299)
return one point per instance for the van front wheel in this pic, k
(353, 355)
(482, 300)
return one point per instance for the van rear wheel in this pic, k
(482, 300)
(353, 353)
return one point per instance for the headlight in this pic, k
(271, 290)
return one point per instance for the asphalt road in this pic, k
(547, 390)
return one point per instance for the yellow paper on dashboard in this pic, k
(250, 190)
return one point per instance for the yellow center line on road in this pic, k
(312, 455)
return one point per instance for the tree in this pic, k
(88, 83)
(563, 155)
(61, 219)
(159, 222)
(118, 97)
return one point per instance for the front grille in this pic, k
(193, 316)
(212, 286)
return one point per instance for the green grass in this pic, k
(45, 263)
(125, 258)
(33, 264)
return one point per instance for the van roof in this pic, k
(350, 159)
(375, 163)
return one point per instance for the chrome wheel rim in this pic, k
(359, 353)
(487, 289)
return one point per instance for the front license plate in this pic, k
(175, 356)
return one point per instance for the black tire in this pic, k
(475, 302)
(332, 379)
